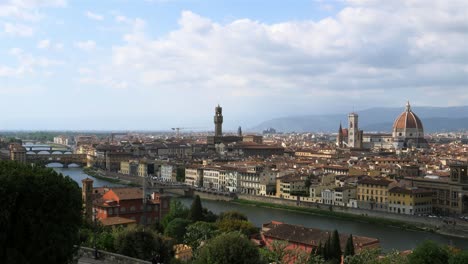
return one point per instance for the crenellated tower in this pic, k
(218, 120)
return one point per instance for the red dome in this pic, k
(407, 119)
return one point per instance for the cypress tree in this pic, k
(326, 249)
(335, 247)
(349, 250)
(196, 210)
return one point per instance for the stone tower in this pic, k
(354, 134)
(87, 197)
(218, 120)
(339, 138)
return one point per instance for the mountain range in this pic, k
(434, 119)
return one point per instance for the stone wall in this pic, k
(435, 222)
(211, 196)
(107, 257)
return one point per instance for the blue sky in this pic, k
(156, 64)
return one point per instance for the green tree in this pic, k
(198, 232)
(245, 227)
(314, 259)
(177, 210)
(459, 258)
(176, 229)
(196, 210)
(369, 256)
(327, 249)
(40, 215)
(229, 248)
(180, 174)
(141, 244)
(349, 250)
(335, 247)
(209, 216)
(232, 215)
(429, 252)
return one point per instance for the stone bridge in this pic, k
(64, 159)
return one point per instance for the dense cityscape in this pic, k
(405, 178)
(233, 132)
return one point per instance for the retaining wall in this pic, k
(108, 257)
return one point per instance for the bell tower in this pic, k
(218, 120)
(354, 134)
(87, 197)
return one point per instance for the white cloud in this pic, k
(28, 64)
(47, 44)
(43, 44)
(18, 30)
(370, 51)
(94, 16)
(27, 9)
(87, 45)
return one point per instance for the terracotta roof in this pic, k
(408, 191)
(407, 119)
(117, 220)
(379, 181)
(128, 193)
(312, 236)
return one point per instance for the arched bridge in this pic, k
(46, 149)
(65, 160)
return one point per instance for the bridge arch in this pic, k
(43, 152)
(58, 152)
(31, 153)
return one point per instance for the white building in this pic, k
(194, 176)
(168, 172)
(211, 178)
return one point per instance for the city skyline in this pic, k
(153, 65)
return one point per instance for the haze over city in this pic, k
(158, 64)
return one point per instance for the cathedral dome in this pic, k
(407, 120)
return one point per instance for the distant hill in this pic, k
(435, 119)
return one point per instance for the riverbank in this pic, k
(100, 175)
(340, 215)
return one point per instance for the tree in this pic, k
(232, 215)
(229, 248)
(349, 250)
(199, 232)
(245, 227)
(429, 252)
(176, 229)
(369, 256)
(196, 210)
(209, 216)
(180, 174)
(327, 249)
(460, 258)
(335, 247)
(40, 214)
(177, 210)
(141, 244)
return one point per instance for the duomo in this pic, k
(407, 132)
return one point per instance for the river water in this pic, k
(77, 175)
(390, 237)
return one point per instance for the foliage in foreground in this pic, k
(229, 248)
(40, 214)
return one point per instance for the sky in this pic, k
(158, 64)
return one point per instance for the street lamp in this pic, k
(95, 227)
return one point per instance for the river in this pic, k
(77, 175)
(390, 237)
